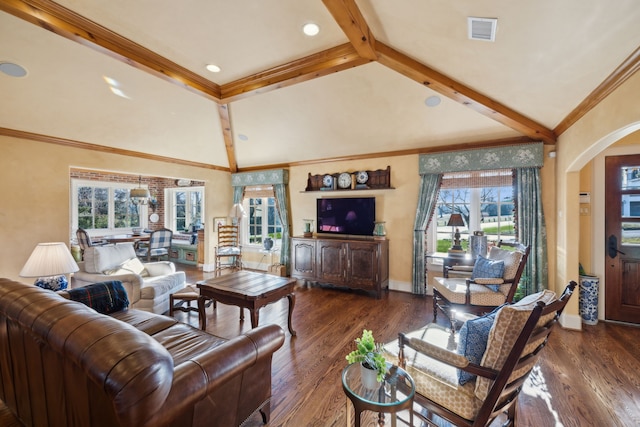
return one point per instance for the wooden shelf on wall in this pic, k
(379, 179)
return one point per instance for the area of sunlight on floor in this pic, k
(536, 387)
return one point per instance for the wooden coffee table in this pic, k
(251, 290)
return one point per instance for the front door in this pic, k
(622, 238)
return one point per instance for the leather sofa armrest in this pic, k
(160, 268)
(195, 378)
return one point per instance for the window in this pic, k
(262, 221)
(187, 208)
(485, 201)
(104, 206)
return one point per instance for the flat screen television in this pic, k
(348, 215)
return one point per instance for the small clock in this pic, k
(344, 180)
(362, 177)
(327, 181)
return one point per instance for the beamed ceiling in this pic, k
(355, 90)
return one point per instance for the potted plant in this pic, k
(369, 355)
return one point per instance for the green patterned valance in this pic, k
(274, 176)
(516, 156)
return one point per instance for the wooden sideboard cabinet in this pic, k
(352, 263)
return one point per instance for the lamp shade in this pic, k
(237, 211)
(139, 193)
(455, 220)
(49, 259)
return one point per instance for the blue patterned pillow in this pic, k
(103, 297)
(488, 269)
(472, 341)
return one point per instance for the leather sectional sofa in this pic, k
(63, 363)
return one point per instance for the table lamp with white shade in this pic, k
(50, 262)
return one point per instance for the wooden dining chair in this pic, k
(85, 241)
(159, 245)
(228, 252)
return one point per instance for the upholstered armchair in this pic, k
(493, 282)
(470, 377)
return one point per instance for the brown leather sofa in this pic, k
(64, 364)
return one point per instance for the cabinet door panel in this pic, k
(304, 259)
(363, 265)
(331, 262)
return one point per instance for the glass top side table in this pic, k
(394, 394)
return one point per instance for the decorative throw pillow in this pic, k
(472, 341)
(488, 269)
(104, 297)
(511, 260)
(133, 265)
(508, 325)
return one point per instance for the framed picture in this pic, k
(217, 222)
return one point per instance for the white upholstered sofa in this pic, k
(148, 284)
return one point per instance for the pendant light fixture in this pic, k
(139, 196)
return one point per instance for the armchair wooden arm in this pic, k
(443, 355)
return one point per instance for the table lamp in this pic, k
(455, 220)
(49, 262)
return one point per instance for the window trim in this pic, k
(474, 217)
(170, 206)
(244, 224)
(76, 183)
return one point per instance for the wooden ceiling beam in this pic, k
(301, 70)
(66, 23)
(227, 134)
(450, 88)
(20, 134)
(348, 16)
(620, 75)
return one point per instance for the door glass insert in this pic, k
(630, 205)
(630, 233)
(630, 177)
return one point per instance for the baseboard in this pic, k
(571, 321)
(208, 267)
(396, 285)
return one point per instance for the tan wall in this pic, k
(614, 118)
(586, 223)
(36, 188)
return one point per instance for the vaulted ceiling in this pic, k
(356, 89)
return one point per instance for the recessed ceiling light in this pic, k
(243, 137)
(433, 101)
(213, 68)
(13, 70)
(311, 29)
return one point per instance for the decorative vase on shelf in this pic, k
(379, 232)
(308, 228)
(369, 377)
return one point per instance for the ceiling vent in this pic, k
(482, 28)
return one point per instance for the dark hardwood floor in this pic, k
(587, 378)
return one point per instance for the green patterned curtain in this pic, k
(427, 198)
(237, 194)
(531, 230)
(525, 159)
(282, 204)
